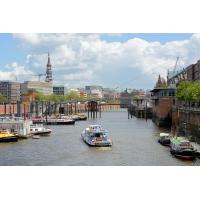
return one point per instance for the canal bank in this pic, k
(134, 143)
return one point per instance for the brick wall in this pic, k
(12, 109)
(9, 109)
(163, 109)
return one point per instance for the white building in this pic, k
(94, 90)
(45, 88)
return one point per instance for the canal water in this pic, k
(134, 143)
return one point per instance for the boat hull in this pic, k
(187, 155)
(43, 133)
(83, 118)
(9, 139)
(60, 123)
(164, 142)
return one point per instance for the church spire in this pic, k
(49, 70)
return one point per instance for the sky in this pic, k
(114, 60)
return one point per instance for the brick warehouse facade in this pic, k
(163, 99)
(10, 109)
(193, 71)
(182, 117)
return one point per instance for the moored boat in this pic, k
(96, 135)
(82, 117)
(60, 121)
(76, 117)
(164, 139)
(6, 136)
(182, 148)
(39, 129)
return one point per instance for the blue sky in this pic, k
(9, 51)
(111, 60)
(151, 37)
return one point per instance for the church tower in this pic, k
(49, 70)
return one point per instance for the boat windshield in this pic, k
(100, 135)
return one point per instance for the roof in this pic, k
(164, 134)
(161, 88)
(96, 129)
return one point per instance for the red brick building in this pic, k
(163, 99)
(193, 71)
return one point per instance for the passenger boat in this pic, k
(96, 135)
(63, 120)
(39, 129)
(182, 148)
(76, 117)
(6, 136)
(60, 121)
(164, 139)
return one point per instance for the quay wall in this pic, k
(186, 123)
(140, 112)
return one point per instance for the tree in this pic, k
(3, 99)
(188, 91)
(72, 96)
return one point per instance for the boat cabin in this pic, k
(164, 136)
(182, 143)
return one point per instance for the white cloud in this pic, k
(87, 75)
(85, 57)
(15, 72)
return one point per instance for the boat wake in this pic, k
(104, 148)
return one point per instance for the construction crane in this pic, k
(175, 66)
(39, 76)
(173, 78)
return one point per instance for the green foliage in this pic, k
(71, 96)
(135, 98)
(188, 91)
(3, 99)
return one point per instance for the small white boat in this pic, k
(96, 135)
(164, 139)
(39, 129)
